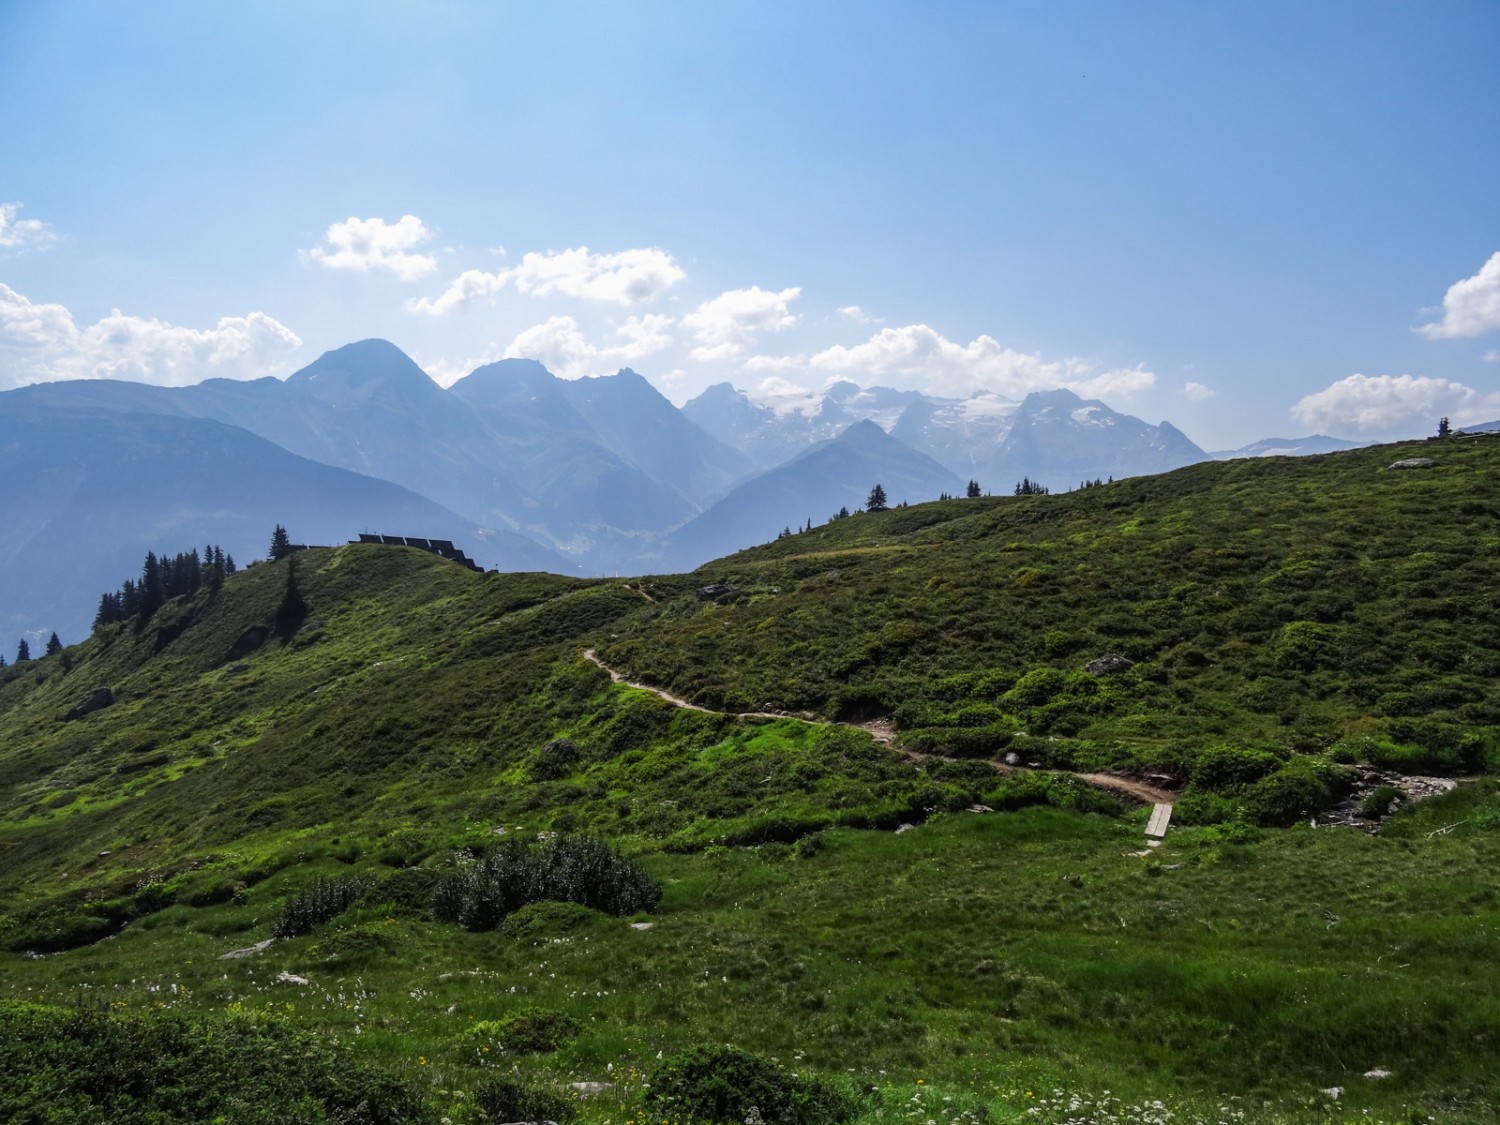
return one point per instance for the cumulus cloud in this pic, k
(1197, 391)
(465, 289)
(857, 315)
(22, 234)
(773, 385)
(1383, 404)
(630, 277)
(643, 335)
(917, 354)
(1471, 307)
(561, 347)
(42, 343)
(374, 244)
(1491, 356)
(727, 326)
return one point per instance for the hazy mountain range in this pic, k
(522, 469)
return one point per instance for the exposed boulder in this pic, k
(716, 592)
(96, 700)
(250, 640)
(554, 760)
(1108, 664)
(1413, 463)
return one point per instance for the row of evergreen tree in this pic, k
(162, 578)
(23, 650)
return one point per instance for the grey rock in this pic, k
(716, 592)
(247, 642)
(96, 700)
(1413, 463)
(1108, 664)
(248, 951)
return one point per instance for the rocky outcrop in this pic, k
(1108, 664)
(96, 700)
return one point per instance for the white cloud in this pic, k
(1197, 391)
(630, 277)
(1380, 404)
(374, 244)
(558, 345)
(466, 288)
(776, 385)
(857, 315)
(22, 234)
(917, 354)
(726, 327)
(644, 335)
(561, 347)
(1491, 356)
(43, 343)
(1471, 307)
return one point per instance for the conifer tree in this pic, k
(876, 500)
(152, 592)
(973, 489)
(281, 545)
(54, 645)
(23, 652)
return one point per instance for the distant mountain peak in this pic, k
(364, 371)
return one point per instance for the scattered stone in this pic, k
(641, 925)
(586, 1088)
(980, 808)
(1012, 758)
(96, 700)
(1413, 463)
(716, 592)
(1334, 1092)
(1378, 1072)
(104, 854)
(501, 831)
(1108, 664)
(285, 977)
(248, 951)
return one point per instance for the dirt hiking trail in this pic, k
(884, 732)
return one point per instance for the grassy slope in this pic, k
(984, 955)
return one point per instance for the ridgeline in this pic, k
(1274, 640)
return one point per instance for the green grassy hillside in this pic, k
(415, 726)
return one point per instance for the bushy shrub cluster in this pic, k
(480, 892)
(505, 1098)
(325, 899)
(529, 1031)
(64, 1066)
(724, 1084)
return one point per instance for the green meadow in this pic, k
(516, 888)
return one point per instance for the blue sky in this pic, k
(1252, 219)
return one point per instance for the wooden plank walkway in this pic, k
(1161, 816)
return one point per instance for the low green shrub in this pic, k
(508, 1098)
(323, 900)
(481, 892)
(532, 1031)
(1377, 803)
(726, 1084)
(538, 920)
(60, 1065)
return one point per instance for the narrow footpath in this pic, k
(883, 731)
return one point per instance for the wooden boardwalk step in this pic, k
(1161, 816)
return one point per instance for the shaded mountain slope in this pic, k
(90, 492)
(812, 486)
